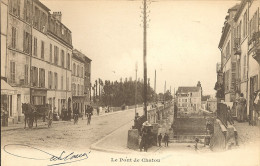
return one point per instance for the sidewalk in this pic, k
(20, 125)
(116, 142)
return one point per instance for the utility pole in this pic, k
(136, 68)
(144, 59)
(164, 91)
(155, 82)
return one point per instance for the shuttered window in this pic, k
(12, 72)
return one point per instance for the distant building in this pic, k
(189, 99)
(211, 105)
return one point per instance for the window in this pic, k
(77, 70)
(228, 50)
(34, 76)
(42, 78)
(55, 81)
(227, 80)
(51, 53)
(82, 75)
(61, 83)
(56, 55)
(42, 50)
(67, 84)
(27, 11)
(13, 44)
(68, 61)
(26, 68)
(245, 25)
(36, 17)
(78, 89)
(26, 42)
(35, 46)
(74, 69)
(244, 73)
(62, 58)
(12, 72)
(50, 80)
(14, 7)
(239, 30)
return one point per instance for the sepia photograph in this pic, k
(130, 82)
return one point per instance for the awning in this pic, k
(6, 89)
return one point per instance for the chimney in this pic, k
(57, 15)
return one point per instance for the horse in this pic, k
(30, 114)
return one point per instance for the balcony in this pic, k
(254, 46)
(218, 67)
(237, 48)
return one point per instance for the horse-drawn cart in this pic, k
(33, 112)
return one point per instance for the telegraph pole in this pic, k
(144, 59)
(155, 82)
(136, 68)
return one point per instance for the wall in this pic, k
(4, 16)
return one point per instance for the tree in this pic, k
(119, 93)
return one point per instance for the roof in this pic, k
(240, 9)
(42, 5)
(188, 89)
(80, 56)
(224, 35)
(234, 8)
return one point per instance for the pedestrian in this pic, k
(159, 139)
(50, 117)
(98, 111)
(241, 107)
(89, 114)
(166, 139)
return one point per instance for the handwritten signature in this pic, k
(63, 158)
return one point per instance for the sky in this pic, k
(182, 39)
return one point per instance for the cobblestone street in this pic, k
(67, 135)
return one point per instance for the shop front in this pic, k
(8, 95)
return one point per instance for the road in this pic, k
(67, 135)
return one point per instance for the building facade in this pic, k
(78, 74)
(38, 59)
(87, 80)
(9, 98)
(188, 99)
(211, 105)
(241, 74)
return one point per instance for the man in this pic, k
(50, 117)
(159, 139)
(166, 139)
(241, 106)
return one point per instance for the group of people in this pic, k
(88, 113)
(165, 139)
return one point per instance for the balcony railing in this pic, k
(254, 45)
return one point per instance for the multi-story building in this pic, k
(78, 74)
(253, 57)
(87, 80)
(38, 59)
(228, 60)
(241, 71)
(9, 98)
(189, 99)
